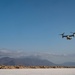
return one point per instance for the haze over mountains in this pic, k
(8, 57)
(29, 61)
(25, 61)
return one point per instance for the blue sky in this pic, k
(35, 25)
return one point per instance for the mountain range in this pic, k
(27, 61)
(31, 61)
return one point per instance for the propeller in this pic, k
(61, 34)
(73, 32)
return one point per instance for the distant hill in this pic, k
(28, 61)
(31, 61)
(68, 64)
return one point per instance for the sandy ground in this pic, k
(65, 71)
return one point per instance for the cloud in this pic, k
(10, 53)
(21, 53)
(15, 53)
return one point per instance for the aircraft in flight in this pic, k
(68, 37)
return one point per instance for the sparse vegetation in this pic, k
(35, 67)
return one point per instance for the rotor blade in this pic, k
(72, 32)
(61, 34)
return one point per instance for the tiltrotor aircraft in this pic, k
(68, 37)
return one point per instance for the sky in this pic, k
(35, 25)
